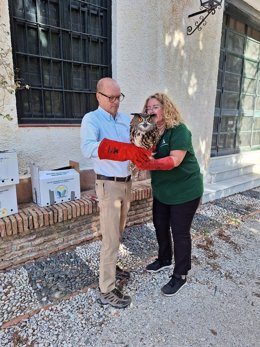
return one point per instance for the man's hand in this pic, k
(120, 151)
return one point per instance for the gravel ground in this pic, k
(52, 302)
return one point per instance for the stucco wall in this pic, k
(151, 52)
(154, 53)
(47, 147)
(7, 98)
(254, 3)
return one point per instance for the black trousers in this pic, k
(173, 222)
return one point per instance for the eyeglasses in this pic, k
(113, 98)
(153, 108)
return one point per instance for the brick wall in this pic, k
(36, 232)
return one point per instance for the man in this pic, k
(105, 138)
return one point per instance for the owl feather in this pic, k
(143, 133)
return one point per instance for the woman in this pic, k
(177, 189)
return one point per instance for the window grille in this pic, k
(61, 48)
(237, 108)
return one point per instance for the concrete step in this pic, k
(228, 172)
(217, 190)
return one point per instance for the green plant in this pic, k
(205, 232)
(234, 221)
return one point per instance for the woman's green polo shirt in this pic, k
(183, 183)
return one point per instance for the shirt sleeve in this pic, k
(181, 139)
(89, 137)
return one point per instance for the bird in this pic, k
(143, 133)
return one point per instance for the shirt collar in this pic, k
(107, 115)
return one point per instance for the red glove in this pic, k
(166, 163)
(120, 151)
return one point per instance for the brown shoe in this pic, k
(122, 274)
(115, 298)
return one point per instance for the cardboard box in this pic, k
(55, 186)
(9, 173)
(8, 201)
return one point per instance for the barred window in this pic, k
(61, 48)
(237, 108)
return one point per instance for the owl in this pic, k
(143, 133)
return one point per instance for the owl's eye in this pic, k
(140, 119)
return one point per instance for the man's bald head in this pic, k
(106, 83)
(107, 87)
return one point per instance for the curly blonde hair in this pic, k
(171, 114)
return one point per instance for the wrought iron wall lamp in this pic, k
(207, 7)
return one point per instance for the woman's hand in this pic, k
(168, 163)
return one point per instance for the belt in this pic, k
(115, 179)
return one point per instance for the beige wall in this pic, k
(48, 147)
(254, 3)
(7, 99)
(151, 52)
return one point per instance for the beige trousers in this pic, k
(114, 204)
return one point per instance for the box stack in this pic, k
(9, 177)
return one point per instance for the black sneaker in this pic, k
(173, 286)
(115, 298)
(157, 266)
(122, 274)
